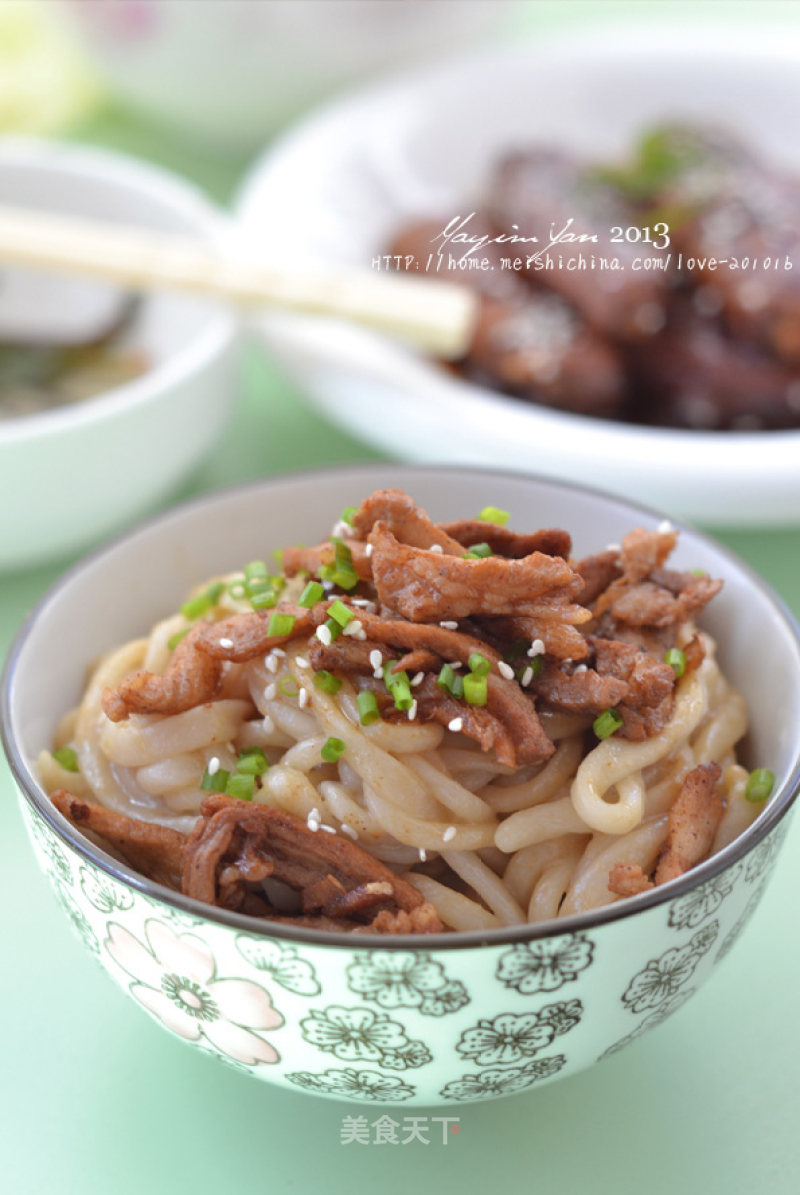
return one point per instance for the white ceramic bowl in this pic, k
(234, 72)
(337, 187)
(76, 473)
(423, 1019)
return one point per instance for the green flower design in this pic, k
(362, 1035)
(512, 1038)
(545, 966)
(76, 916)
(732, 937)
(761, 858)
(405, 979)
(281, 962)
(688, 911)
(350, 1084)
(659, 981)
(55, 860)
(496, 1082)
(656, 1018)
(103, 892)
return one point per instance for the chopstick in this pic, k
(435, 316)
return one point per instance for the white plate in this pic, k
(336, 188)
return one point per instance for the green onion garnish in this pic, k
(264, 599)
(66, 757)
(449, 679)
(340, 613)
(368, 710)
(479, 664)
(606, 724)
(348, 514)
(399, 686)
(327, 681)
(237, 590)
(760, 784)
(478, 552)
(343, 573)
(493, 514)
(676, 660)
(475, 689)
(289, 686)
(533, 666)
(256, 568)
(215, 782)
(312, 593)
(280, 624)
(241, 786)
(252, 762)
(332, 750)
(202, 602)
(175, 639)
(333, 628)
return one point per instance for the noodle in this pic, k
(528, 828)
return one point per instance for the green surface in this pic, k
(94, 1098)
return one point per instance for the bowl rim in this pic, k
(779, 805)
(360, 348)
(134, 178)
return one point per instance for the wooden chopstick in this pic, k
(435, 316)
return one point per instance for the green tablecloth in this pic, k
(93, 1098)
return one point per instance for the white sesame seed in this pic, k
(527, 677)
(314, 814)
(455, 665)
(376, 663)
(213, 766)
(225, 642)
(341, 529)
(271, 663)
(423, 855)
(505, 670)
(536, 649)
(436, 548)
(349, 831)
(361, 634)
(327, 829)
(323, 634)
(417, 678)
(455, 724)
(302, 662)
(613, 548)
(302, 698)
(368, 550)
(279, 653)
(270, 692)
(312, 824)
(412, 710)
(449, 625)
(353, 627)
(665, 527)
(580, 668)
(449, 834)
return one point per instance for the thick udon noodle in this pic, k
(520, 845)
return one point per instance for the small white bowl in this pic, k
(338, 187)
(73, 474)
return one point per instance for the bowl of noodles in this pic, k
(406, 784)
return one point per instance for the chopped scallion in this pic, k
(289, 686)
(280, 624)
(66, 757)
(327, 681)
(676, 660)
(252, 762)
(606, 724)
(241, 786)
(475, 689)
(348, 514)
(264, 599)
(215, 782)
(479, 664)
(493, 514)
(449, 679)
(478, 552)
(332, 750)
(237, 590)
(340, 613)
(312, 593)
(175, 639)
(760, 785)
(256, 568)
(201, 603)
(368, 711)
